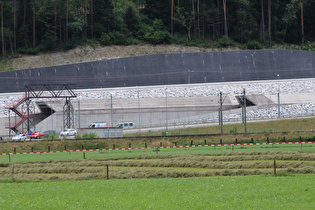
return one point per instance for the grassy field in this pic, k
(221, 177)
(164, 163)
(252, 192)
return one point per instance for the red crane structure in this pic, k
(25, 118)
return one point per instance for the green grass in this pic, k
(253, 192)
(220, 178)
(171, 151)
(283, 125)
(168, 163)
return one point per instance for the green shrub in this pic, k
(163, 133)
(309, 46)
(155, 34)
(48, 43)
(225, 42)
(160, 37)
(119, 38)
(28, 51)
(105, 39)
(74, 42)
(253, 45)
(52, 136)
(233, 130)
(90, 136)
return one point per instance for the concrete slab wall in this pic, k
(166, 69)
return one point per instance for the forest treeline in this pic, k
(32, 26)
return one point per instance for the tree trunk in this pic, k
(262, 22)
(34, 30)
(194, 15)
(302, 20)
(14, 25)
(198, 18)
(61, 38)
(84, 32)
(24, 15)
(172, 16)
(55, 19)
(2, 34)
(92, 19)
(189, 36)
(269, 20)
(67, 22)
(225, 21)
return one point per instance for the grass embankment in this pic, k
(165, 164)
(263, 192)
(272, 131)
(285, 126)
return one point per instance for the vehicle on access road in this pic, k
(37, 135)
(126, 125)
(19, 137)
(68, 132)
(98, 125)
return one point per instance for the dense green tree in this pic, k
(158, 9)
(31, 26)
(132, 19)
(245, 24)
(185, 18)
(103, 15)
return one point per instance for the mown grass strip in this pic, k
(135, 153)
(162, 166)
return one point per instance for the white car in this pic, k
(19, 137)
(68, 132)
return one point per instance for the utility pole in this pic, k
(221, 113)
(278, 97)
(139, 110)
(79, 114)
(166, 114)
(111, 111)
(244, 111)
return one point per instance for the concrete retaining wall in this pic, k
(166, 69)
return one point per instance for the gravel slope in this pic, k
(89, 53)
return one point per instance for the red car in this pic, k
(37, 135)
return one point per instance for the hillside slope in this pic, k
(88, 53)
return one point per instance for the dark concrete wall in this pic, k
(165, 69)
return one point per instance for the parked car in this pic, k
(68, 132)
(37, 135)
(98, 125)
(19, 137)
(125, 125)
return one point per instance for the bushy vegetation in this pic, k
(43, 26)
(90, 136)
